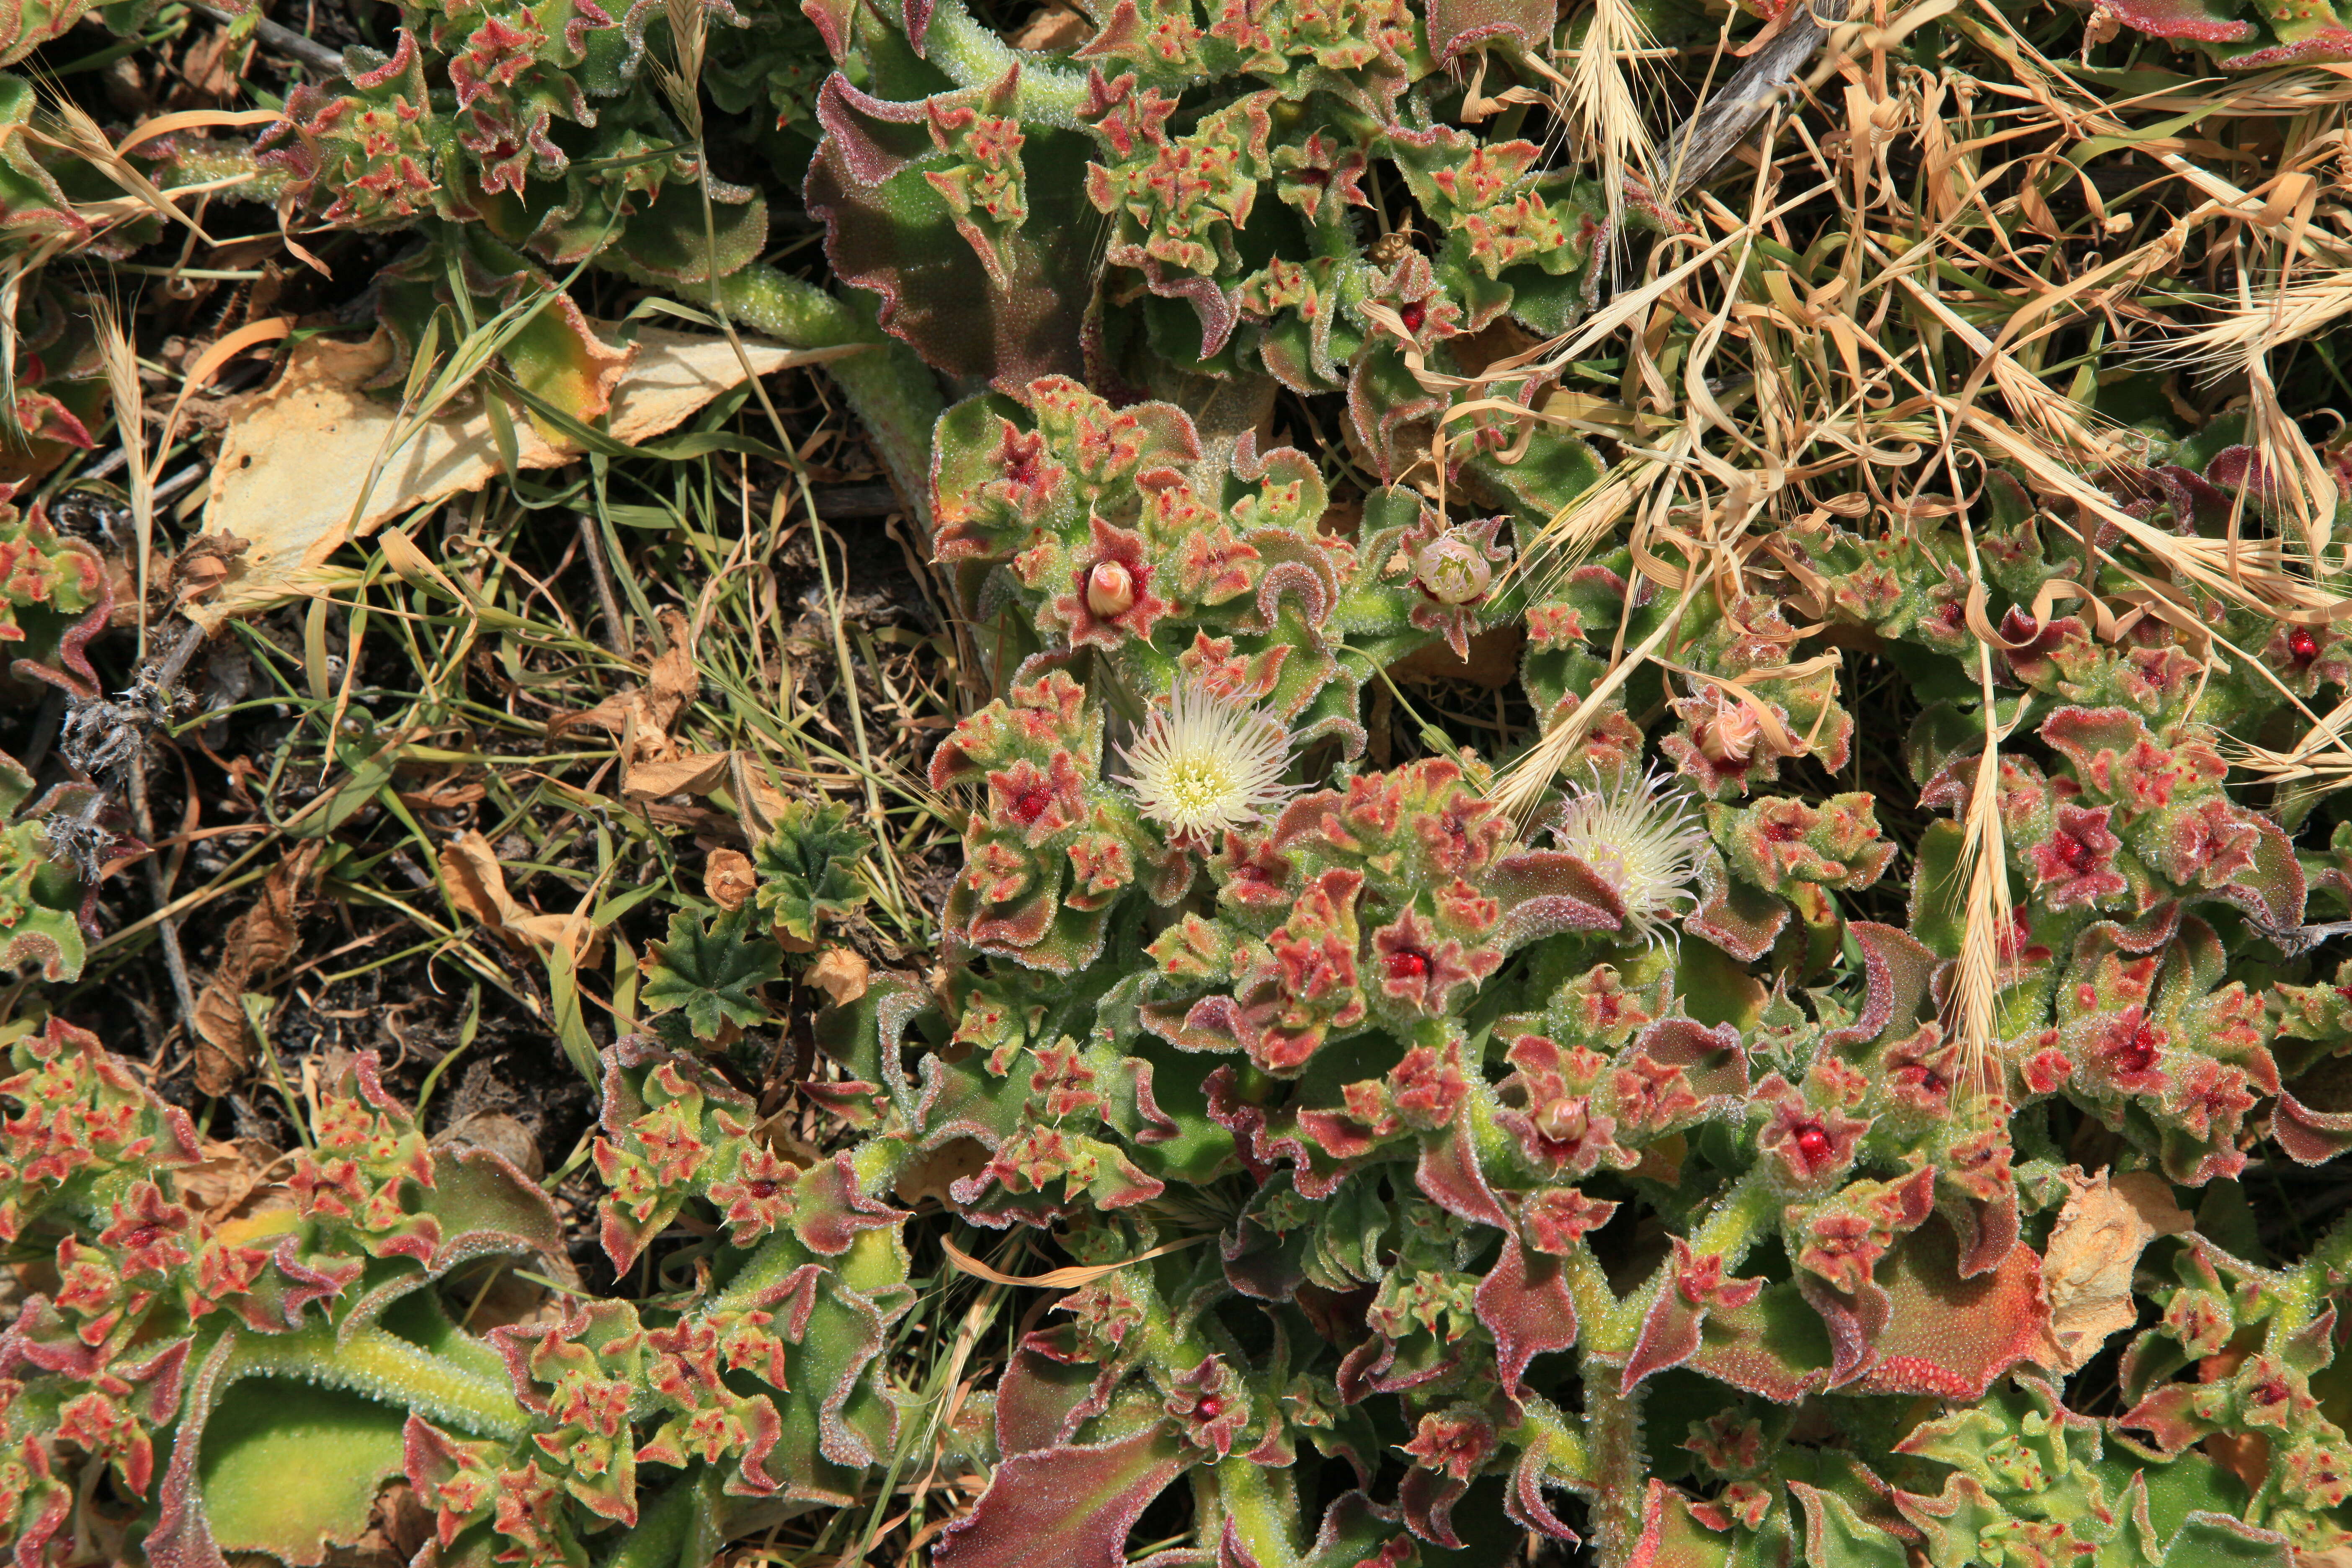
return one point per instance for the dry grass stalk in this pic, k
(680, 77)
(119, 361)
(2237, 340)
(1991, 922)
(77, 133)
(1578, 528)
(1602, 105)
(2286, 468)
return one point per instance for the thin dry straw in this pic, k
(121, 364)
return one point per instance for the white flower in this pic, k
(1206, 762)
(1643, 838)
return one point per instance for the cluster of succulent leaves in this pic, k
(1430, 1204)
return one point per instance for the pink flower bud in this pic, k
(1110, 589)
(1729, 735)
(1452, 570)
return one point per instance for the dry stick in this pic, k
(282, 38)
(593, 548)
(168, 926)
(1723, 122)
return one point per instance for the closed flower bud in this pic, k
(1110, 589)
(1452, 570)
(1729, 735)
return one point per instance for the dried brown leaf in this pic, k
(258, 941)
(477, 888)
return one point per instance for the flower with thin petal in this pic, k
(1643, 840)
(1206, 762)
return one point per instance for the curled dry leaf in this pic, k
(295, 514)
(228, 1175)
(2097, 1244)
(645, 719)
(258, 941)
(727, 880)
(202, 565)
(478, 887)
(840, 973)
(502, 1135)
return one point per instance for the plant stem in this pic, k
(1612, 1441)
(661, 1531)
(1733, 1225)
(893, 392)
(386, 1368)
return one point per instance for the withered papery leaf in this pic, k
(2105, 1226)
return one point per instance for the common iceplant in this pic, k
(1600, 1175)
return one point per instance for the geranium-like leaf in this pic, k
(808, 867)
(711, 973)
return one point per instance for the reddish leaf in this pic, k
(1525, 1304)
(1949, 1336)
(1063, 1507)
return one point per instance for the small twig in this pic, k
(593, 548)
(168, 927)
(2294, 941)
(283, 39)
(1724, 120)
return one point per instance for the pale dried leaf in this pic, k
(477, 888)
(696, 773)
(2087, 1270)
(295, 456)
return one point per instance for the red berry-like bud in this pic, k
(1813, 1144)
(1413, 312)
(2303, 645)
(1210, 1407)
(1407, 964)
(1110, 589)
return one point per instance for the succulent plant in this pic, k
(1622, 1158)
(1232, 153)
